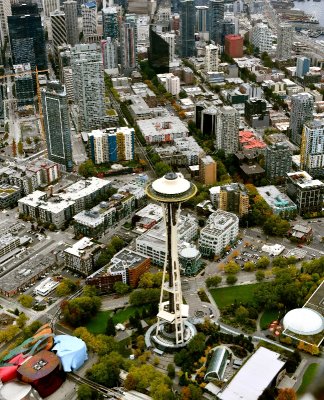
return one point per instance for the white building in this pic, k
(82, 256)
(46, 287)
(262, 37)
(109, 48)
(227, 129)
(254, 376)
(170, 82)
(170, 38)
(112, 145)
(50, 6)
(312, 148)
(221, 229)
(302, 108)
(152, 243)
(211, 58)
(5, 11)
(8, 242)
(58, 28)
(89, 18)
(162, 129)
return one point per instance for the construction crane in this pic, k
(39, 100)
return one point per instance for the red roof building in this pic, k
(234, 46)
(248, 141)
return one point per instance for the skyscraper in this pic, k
(57, 125)
(27, 38)
(302, 107)
(88, 84)
(187, 27)
(58, 30)
(128, 42)
(285, 37)
(109, 53)
(5, 11)
(89, 18)
(110, 25)
(50, 6)
(278, 160)
(71, 22)
(312, 148)
(216, 20)
(227, 129)
(302, 66)
(202, 22)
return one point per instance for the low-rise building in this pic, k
(279, 202)
(8, 242)
(152, 242)
(249, 141)
(307, 193)
(301, 233)
(221, 230)
(82, 256)
(9, 195)
(126, 266)
(148, 216)
(162, 129)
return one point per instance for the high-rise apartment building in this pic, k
(234, 46)
(109, 48)
(161, 53)
(302, 66)
(187, 27)
(216, 20)
(278, 160)
(24, 85)
(312, 148)
(110, 23)
(234, 198)
(227, 129)
(50, 6)
(112, 145)
(207, 170)
(256, 113)
(71, 22)
(5, 12)
(211, 58)
(262, 37)
(89, 18)
(88, 83)
(27, 38)
(57, 125)
(307, 193)
(302, 107)
(58, 30)
(285, 38)
(128, 44)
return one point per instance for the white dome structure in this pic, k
(304, 321)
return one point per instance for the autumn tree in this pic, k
(14, 148)
(232, 268)
(26, 300)
(287, 394)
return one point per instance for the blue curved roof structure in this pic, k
(71, 350)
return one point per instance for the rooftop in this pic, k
(304, 180)
(219, 221)
(275, 198)
(81, 248)
(162, 125)
(255, 376)
(7, 239)
(84, 188)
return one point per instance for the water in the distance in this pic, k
(313, 8)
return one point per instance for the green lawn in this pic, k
(308, 377)
(226, 296)
(267, 317)
(98, 323)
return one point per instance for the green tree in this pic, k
(241, 314)
(78, 311)
(104, 373)
(263, 262)
(20, 148)
(28, 140)
(66, 287)
(88, 169)
(231, 279)
(26, 300)
(171, 371)
(110, 327)
(144, 296)
(213, 281)
(121, 288)
(259, 275)
(249, 266)
(161, 168)
(276, 226)
(85, 392)
(21, 320)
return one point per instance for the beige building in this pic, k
(207, 170)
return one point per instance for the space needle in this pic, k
(172, 330)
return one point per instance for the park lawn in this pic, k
(308, 378)
(267, 317)
(226, 296)
(98, 323)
